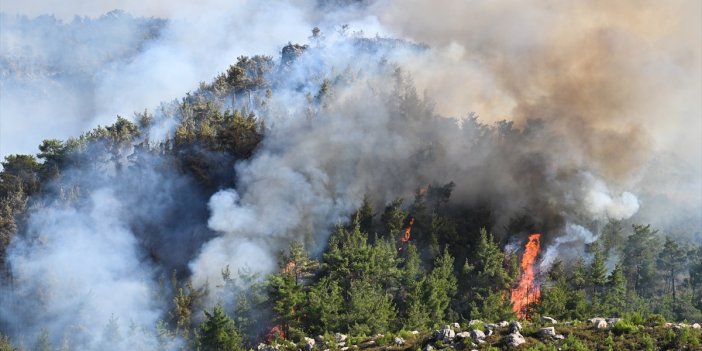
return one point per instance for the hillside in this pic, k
(323, 199)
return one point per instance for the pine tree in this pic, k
(554, 299)
(612, 236)
(441, 287)
(597, 277)
(364, 216)
(218, 332)
(671, 261)
(490, 281)
(393, 219)
(325, 306)
(639, 254)
(413, 312)
(615, 297)
(287, 289)
(576, 303)
(578, 279)
(370, 309)
(695, 268)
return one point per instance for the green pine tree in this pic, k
(671, 261)
(370, 309)
(218, 332)
(441, 287)
(615, 296)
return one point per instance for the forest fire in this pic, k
(528, 291)
(408, 231)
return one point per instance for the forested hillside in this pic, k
(318, 200)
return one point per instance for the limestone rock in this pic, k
(477, 335)
(515, 326)
(309, 343)
(547, 332)
(446, 334)
(598, 323)
(340, 337)
(463, 335)
(514, 339)
(399, 341)
(548, 320)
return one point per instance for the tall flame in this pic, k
(408, 231)
(528, 291)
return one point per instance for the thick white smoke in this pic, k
(80, 265)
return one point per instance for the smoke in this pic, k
(602, 204)
(81, 268)
(619, 79)
(86, 269)
(570, 244)
(62, 78)
(50, 70)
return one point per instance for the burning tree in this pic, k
(528, 290)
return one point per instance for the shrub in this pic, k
(624, 327)
(635, 318)
(571, 343)
(655, 320)
(648, 343)
(478, 325)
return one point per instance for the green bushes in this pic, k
(624, 327)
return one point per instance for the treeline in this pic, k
(366, 284)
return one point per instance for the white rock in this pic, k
(463, 335)
(548, 320)
(309, 343)
(696, 326)
(399, 341)
(559, 337)
(456, 326)
(477, 335)
(515, 339)
(515, 326)
(428, 348)
(474, 322)
(340, 337)
(414, 332)
(503, 324)
(446, 334)
(547, 332)
(598, 323)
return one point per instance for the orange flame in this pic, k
(408, 231)
(527, 291)
(290, 267)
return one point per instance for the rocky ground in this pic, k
(544, 334)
